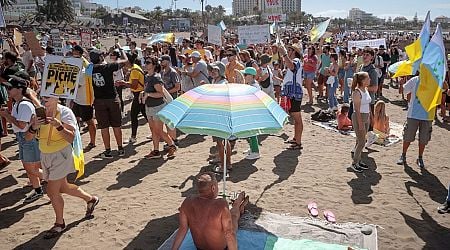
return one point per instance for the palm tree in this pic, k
(56, 10)
(4, 3)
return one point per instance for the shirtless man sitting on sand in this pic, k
(213, 225)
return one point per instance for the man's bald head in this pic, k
(205, 181)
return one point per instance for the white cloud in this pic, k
(332, 13)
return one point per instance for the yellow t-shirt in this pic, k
(50, 139)
(137, 73)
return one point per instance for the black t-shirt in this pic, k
(386, 58)
(103, 82)
(150, 82)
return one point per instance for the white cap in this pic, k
(196, 54)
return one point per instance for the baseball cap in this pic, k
(16, 82)
(94, 55)
(196, 54)
(249, 71)
(219, 66)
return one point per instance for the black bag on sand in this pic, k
(323, 116)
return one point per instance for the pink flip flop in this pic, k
(312, 208)
(329, 216)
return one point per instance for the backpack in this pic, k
(266, 83)
(323, 116)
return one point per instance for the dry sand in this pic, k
(139, 198)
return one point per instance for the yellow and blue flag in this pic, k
(77, 151)
(415, 51)
(432, 72)
(319, 30)
(162, 38)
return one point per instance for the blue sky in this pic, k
(334, 8)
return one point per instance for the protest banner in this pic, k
(33, 43)
(253, 34)
(273, 6)
(86, 39)
(275, 18)
(61, 76)
(215, 35)
(373, 43)
(17, 37)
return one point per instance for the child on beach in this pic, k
(380, 122)
(344, 123)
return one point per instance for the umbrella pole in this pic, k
(225, 168)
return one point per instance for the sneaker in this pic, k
(155, 154)
(420, 163)
(401, 160)
(32, 197)
(132, 140)
(253, 156)
(246, 152)
(371, 139)
(445, 208)
(106, 155)
(363, 166)
(171, 151)
(121, 152)
(356, 168)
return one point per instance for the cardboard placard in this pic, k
(61, 76)
(33, 43)
(17, 37)
(86, 39)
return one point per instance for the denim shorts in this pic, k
(309, 75)
(28, 150)
(152, 112)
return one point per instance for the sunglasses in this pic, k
(8, 87)
(148, 62)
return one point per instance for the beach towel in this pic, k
(395, 135)
(269, 231)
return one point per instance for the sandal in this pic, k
(293, 141)
(219, 169)
(55, 231)
(89, 147)
(296, 146)
(329, 216)
(312, 208)
(91, 205)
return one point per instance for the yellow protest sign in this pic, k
(61, 77)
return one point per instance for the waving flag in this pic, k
(432, 72)
(77, 151)
(319, 30)
(272, 28)
(222, 25)
(162, 38)
(415, 51)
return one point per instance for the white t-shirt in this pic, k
(67, 116)
(118, 75)
(24, 113)
(269, 90)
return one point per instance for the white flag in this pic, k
(222, 25)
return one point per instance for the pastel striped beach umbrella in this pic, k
(225, 111)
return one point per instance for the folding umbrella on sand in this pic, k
(225, 111)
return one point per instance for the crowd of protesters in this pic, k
(282, 68)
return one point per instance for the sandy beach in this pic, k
(140, 198)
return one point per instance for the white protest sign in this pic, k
(57, 41)
(215, 35)
(253, 34)
(61, 76)
(86, 39)
(374, 43)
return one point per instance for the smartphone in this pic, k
(40, 113)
